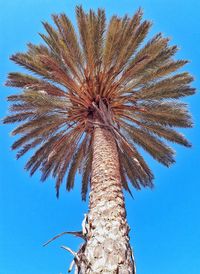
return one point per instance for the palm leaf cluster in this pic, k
(109, 77)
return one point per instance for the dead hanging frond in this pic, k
(78, 257)
(105, 75)
(75, 233)
(87, 169)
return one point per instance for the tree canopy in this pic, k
(106, 75)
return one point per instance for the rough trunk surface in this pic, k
(107, 248)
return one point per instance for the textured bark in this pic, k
(107, 248)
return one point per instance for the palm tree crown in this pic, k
(104, 78)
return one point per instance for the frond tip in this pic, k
(107, 75)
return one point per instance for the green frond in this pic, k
(129, 167)
(123, 176)
(52, 40)
(127, 40)
(27, 147)
(60, 45)
(70, 40)
(148, 53)
(43, 132)
(18, 117)
(98, 35)
(167, 133)
(136, 168)
(111, 41)
(77, 158)
(25, 81)
(35, 161)
(165, 113)
(91, 28)
(45, 65)
(150, 143)
(37, 123)
(53, 153)
(21, 108)
(84, 30)
(31, 63)
(60, 156)
(172, 87)
(155, 73)
(150, 69)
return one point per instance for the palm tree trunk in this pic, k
(107, 248)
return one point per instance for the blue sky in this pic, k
(165, 222)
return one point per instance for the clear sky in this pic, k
(165, 222)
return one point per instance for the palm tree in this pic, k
(87, 105)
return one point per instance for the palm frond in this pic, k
(87, 171)
(136, 168)
(165, 113)
(167, 133)
(75, 164)
(123, 176)
(25, 81)
(69, 38)
(173, 87)
(29, 146)
(22, 116)
(150, 143)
